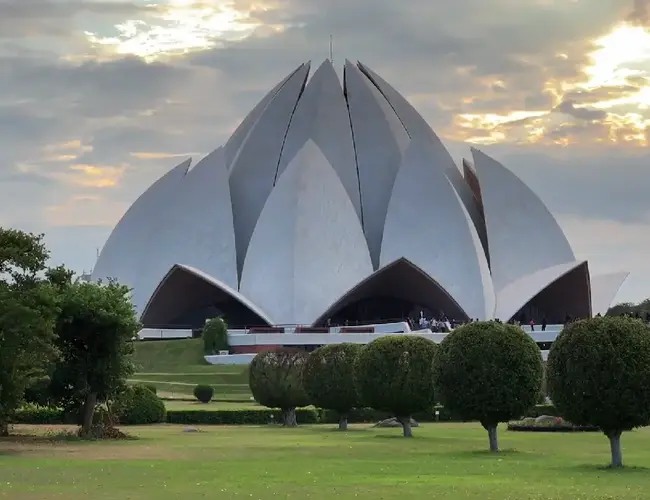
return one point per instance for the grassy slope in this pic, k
(443, 461)
(176, 366)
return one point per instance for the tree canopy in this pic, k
(394, 374)
(275, 380)
(599, 374)
(28, 309)
(95, 331)
(328, 378)
(488, 371)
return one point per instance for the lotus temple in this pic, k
(335, 209)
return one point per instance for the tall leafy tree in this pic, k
(488, 371)
(95, 331)
(599, 374)
(28, 308)
(395, 374)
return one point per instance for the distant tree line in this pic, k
(640, 309)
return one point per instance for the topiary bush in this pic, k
(328, 378)
(215, 336)
(394, 374)
(275, 380)
(138, 405)
(203, 393)
(599, 374)
(488, 371)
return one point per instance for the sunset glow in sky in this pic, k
(99, 98)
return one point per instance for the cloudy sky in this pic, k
(98, 98)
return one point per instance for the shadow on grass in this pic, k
(607, 469)
(503, 453)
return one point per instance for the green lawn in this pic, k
(175, 367)
(443, 461)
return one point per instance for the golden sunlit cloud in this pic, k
(616, 82)
(178, 27)
(96, 176)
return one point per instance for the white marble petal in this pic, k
(308, 247)
(380, 140)
(322, 116)
(518, 293)
(427, 224)
(194, 227)
(122, 254)
(234, 143)
(254, 169)
(604, 288)
(523, 235)
(418, 129)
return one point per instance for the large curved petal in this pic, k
(427, 224)
(253, 171)
(194, 227)
(322, 116)
(379, 140)
(604, 288)
(234, 143)
(523, 235)
(418, 129)
(556, 291)
(185, 291)
(131, 238)
(400, 280)
(308, 246)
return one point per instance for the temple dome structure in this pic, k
(340, 203)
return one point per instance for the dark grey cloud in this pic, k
(568, 107)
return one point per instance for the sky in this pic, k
(98, 98)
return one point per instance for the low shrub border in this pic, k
(51, 416)
(556, 428)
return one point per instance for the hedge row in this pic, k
(262, 416)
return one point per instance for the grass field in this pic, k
(175, 367)
(443, 461)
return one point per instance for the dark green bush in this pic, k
(328, 378)
(34, 415)
(215, 336)
(138, 405)
(203, 393)
(488, 371)
(599, 374)
(275, 380)
(394, 374)
(239, 417)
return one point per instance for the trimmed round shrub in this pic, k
(203, 393)
(275, 380)
(394, 374)
(215, 336)
(488, 371)
(599, 374)
(328, 378)
(138, 405)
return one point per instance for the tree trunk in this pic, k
(4, 429)
(343, 422)
(615, 446)
(493, 437)
(289, 418)
(406, 426)
(88, 413)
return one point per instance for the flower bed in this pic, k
(547, 423)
